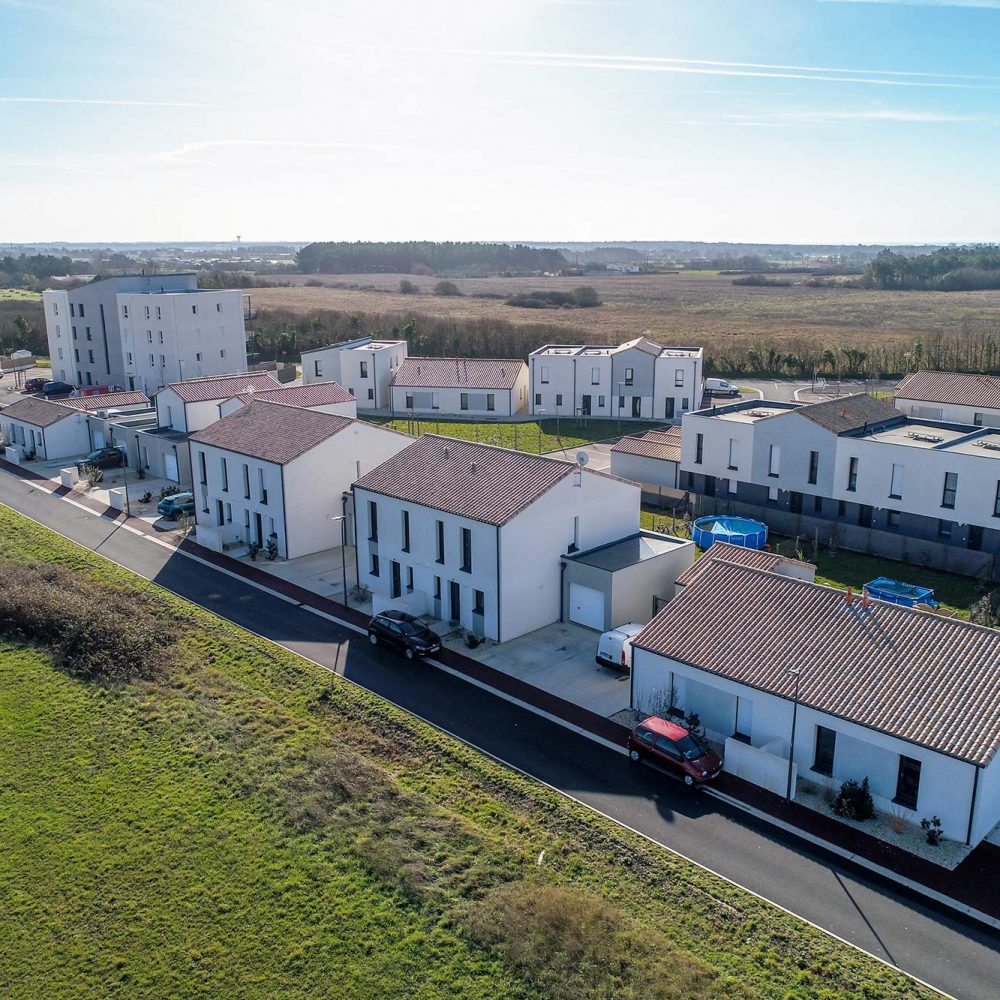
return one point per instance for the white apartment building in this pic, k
(459, 387)
(906, 698)
(364, 367)
(142, 331)
(326, 397)
(952, 396)
(475, 534)
(636, 380)
(190, 406)
(270, 471)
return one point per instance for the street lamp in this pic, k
(795, 672)
(343, 547)
(621, 399)
(124, 450)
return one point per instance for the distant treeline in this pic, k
(29, 270)
(426, 258)
(951, 269)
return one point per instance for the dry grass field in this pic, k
(698, 308)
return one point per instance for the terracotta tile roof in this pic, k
(107, 401)
(848, 413)
(921, 677)
(737, 554)
(38, 412)
(665, 445)
(305, 396)
(951, 387)
(465, 373)
(477, 481)
(202, 390)
(271, 432)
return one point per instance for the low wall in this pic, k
(69, 477)
(761, 766)
(116, 498)
(13, 454)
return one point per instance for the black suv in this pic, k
(57, 389)
(403, 632)
(103, 458)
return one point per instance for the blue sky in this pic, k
(745, 120)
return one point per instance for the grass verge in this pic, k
(243, 823)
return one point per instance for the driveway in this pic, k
(598, 454)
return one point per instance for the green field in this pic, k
(526, 435)
(19, 295)
(246, 824)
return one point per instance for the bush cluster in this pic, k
(854, 800)
(584, 297)
(92, 631)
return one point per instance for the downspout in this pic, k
(573, 414)
(562, 589)
(357, 566)
(284, 509)
(531, 385)
(499, 586)
(972, 806)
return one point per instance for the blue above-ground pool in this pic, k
(744, 531)
(897, 592)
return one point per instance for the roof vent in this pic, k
(446, 451)
(473, 469)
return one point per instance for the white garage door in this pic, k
(170, 461)
(586, 606)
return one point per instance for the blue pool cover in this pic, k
(897, 592)
(743, 531)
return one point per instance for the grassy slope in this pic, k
(251, 825)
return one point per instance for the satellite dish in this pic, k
(582, 458)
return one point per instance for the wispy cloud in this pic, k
(113, 102)
(709, 67)
(984, 4)
(188, 153)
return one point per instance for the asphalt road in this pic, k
(784, 389)
(958, 957)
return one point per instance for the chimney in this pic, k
(865, 600)
(849, 599)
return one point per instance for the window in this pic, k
(147, 312)
(395, 585)
(261, 487)
(371, 393)
(817, 505)
(160, 332)
(130, 358)
(220, 513)
(197, 356)
(538, 399)
(977, 419)
(374, 564)
(90, 357)
(246, 481)
(435, 401)
(409, 579)
(595, 376)
(87, 334)
(58, 330)
(74, 333)
(852, 475)
(621, 402)
(974, 539)
(80, 307)
(601, 402)
(218, 307)
(204, 470)
(408, 404)
(224, 468)
(405, 515)
(466, 550)
(229, 513)
(158, 312)
(950, 489)
(678, 378)
(996, 498)
(163, 361)
(795, 502)
(545, 374)
(490, 401)
(772, 491)
(124, 311)
(773, 460)
(826, 744)
(76, 354)
(149, 336)
(944, 529)
(685, 403)
(478, 602)
(558, 399)
(464, 401)
(372, 521)
(440, 540)
(734, 454)
(699, 448)
(318, 369)
(896, 482)
(55, 309)
(629, 376)
(364, 369)
(222, 353)
(907, 782)
(437, 588)
(813, 467)
(841, 508)
(892, 518)
(60, 354)
(194, 310)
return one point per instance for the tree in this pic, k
(407, 287)
(447, 288)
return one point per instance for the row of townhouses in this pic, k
(637, 380)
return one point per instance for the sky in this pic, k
(843, 121)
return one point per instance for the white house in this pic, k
(638, 379)
(190, 406)
(142, 331)
(326, 397)
(275, 471)
(44, 430)
(953, 396)
(651, 459)
(474, 534)
(364, 367)
(906, 698)
(460, 387)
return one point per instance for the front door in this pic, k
(397, 588)
(455, 595)
(258, 525)
(585, 406)
(637, 406)
(668, 410)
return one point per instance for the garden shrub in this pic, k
(854, 801)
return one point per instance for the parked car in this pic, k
(614, 648)
(36, 384)
(404, 632)
(675, 749)
(103, 458)
(57, 389)
(720, 387)
(173, 506)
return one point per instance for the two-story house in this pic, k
(364, 367)
(190, 406)
(475, 534)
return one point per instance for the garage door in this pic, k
(586, 606)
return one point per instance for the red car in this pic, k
(675, 749)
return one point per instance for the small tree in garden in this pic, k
(91, 475)
(854, 800)
(932, 827)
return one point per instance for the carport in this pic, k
(621, 581)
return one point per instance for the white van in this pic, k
(720, 387)
(614, 649)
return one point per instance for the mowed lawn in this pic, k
(246, 824)
(538, 436)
